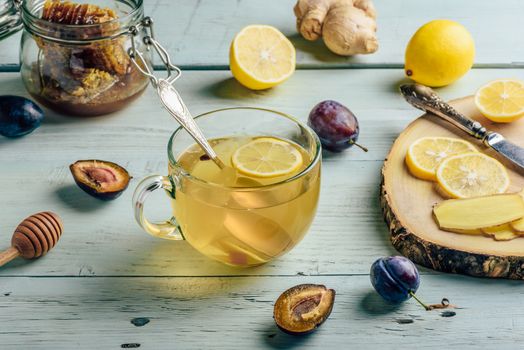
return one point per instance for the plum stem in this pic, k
(418, 301)
(351, 142)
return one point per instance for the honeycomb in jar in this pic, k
(80, 89)
(94, 82)
(111, 58)
(68, 12)
(107, 55)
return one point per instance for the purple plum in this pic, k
(395, 278)
(336, 126)
(18, 116)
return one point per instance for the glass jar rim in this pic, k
(35, 24)
(312, 163)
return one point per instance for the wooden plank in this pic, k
(236, 313)
(198, 33)
(103, 239)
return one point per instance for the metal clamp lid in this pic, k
(10, 20)
(173, 72)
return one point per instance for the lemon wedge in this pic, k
(425, 154)
(261, 57)
(501, 101)
(267, 157)
(472, 175)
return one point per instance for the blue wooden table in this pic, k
(105, 271)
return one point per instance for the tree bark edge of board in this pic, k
(444, 259)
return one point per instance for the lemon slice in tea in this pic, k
(267, 157)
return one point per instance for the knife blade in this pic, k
(508, 149)
(424, 98)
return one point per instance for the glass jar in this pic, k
(74, 58)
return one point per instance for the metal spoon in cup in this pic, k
(170, 98)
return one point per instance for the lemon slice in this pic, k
(425, 154)
(501, 101)
(261, 57)
(267, 157)
(471, 175)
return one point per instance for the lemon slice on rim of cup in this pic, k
(267, 157)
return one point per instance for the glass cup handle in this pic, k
(167, 229)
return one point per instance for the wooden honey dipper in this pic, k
(34, 237)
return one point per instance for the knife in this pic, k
(424, 98)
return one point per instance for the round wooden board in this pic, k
(407, 204)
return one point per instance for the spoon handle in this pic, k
(174, 104)
(8, 255)
(424, 98)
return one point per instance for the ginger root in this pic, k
(348, 27)
(479, 212)
(501, 232)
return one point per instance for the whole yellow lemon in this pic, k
(440, 52)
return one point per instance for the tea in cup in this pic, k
(254, 209)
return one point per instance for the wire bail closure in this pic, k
(10, 18)
(173, 72)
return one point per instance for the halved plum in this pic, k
(303, 308)
(99, 178)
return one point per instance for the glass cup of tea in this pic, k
(254, 209)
